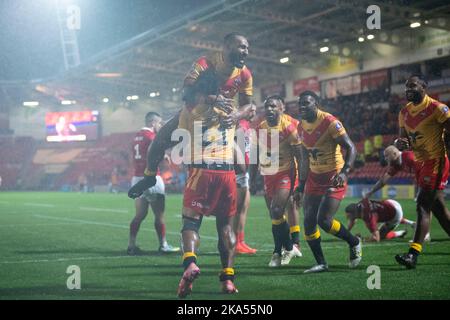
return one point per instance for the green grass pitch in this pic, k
(44, 233)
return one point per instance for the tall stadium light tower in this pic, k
(69, 21)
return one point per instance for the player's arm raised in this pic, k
(346, 143)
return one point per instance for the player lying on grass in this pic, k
(388, 212)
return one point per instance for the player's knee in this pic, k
(310, 224)
(276, 212)
(325, 224)
(191, 224)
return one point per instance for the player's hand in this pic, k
(401, 144)
(138, 189)
(223, 103)
(339, 180)
(228, 121)
(298, 198)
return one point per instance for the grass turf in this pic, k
(44, 233)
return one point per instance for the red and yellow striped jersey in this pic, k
(319, 138)
(232, 81)
(282, 151)
(214, 143)
(424, 124)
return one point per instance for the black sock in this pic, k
(316, 249)
(342, 233)
(295, 236)
(187, 261)
(277, 239)
(287, 241)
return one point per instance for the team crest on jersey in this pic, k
(237, 81)
(445, 109)
(338, 126)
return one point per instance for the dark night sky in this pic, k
(30, 45)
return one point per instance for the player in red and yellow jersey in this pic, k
(422, 123)
(323, 177)
(153, 196)
(210, 187)
(234, 79)
(276, 159)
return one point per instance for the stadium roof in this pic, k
(157, 59)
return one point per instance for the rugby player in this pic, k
(153, 196)
(389, 212)
(323, 177)
(234, 79)
(279, 182)
(422, 124)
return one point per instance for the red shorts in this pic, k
(432, 174)
(281, 180)
(211, 192)
(319, 184)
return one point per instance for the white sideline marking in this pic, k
(107, 224)
(65, 259)
(103, 209)
(34, 204)
(34, 225)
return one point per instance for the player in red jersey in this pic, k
(389, 212)
(243, 192)
(423, 122)
(397, 161)
(154, 196)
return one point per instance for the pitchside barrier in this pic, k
(398, 191)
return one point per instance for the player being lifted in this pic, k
(210, 188)
(280, 175)
(153, 196)
(422, 123)
(234, 79)
(323, 177)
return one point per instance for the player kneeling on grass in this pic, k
(389, 212)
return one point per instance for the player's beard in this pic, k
(414, 97)
(237, 60)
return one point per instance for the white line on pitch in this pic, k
(107, 224)
(34, 225)
(34, 204)
(65, 259)
(103, 209)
